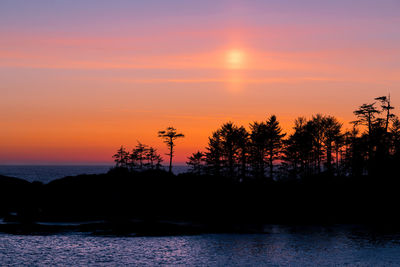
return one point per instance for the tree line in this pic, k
(316, 145)
(145, 157)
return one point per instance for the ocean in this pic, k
(280, 246)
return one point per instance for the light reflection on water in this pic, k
(282, 246)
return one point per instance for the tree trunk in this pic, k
(329, 158)
(170, 158)
(271, 166)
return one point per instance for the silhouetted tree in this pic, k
(227, 150)
(386, 107)
(154, 159)
(317, 143)
(121, 157)
(142, 157)
(214, 154)
(366, 115)
(169, 136)
(232, 140)
(196, 163)
(331, 138)
(266, 141)
(298, 152)
(258, 137)
(356, 152)
(339, 149)
(228, 135)
(243, 147)
(382, 137)
(315, 128)
(377, 137)
(138, 156)
(274, 137)
(313, 142)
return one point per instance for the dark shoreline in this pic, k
(156, 203)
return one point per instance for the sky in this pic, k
(78, 79)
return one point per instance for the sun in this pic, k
(235, 59)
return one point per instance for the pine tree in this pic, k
(121, 157)
(274, 142)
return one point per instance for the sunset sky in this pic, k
(80, 78)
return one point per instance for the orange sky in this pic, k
(79, 80)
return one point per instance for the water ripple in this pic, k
(283, 247)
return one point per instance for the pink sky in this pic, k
(79, 80)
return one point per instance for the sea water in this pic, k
(280, 246)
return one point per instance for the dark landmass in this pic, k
(159, 203)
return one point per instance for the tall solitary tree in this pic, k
(169, 136)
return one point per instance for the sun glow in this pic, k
(235, 62)
(235, 59)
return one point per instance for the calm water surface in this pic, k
(283, 246)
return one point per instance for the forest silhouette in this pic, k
(317, 146)
(317, 174)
